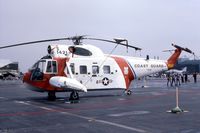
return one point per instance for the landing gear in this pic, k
(128, 92)
(51, 95)
(74, 96)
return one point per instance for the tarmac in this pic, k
(145, 111)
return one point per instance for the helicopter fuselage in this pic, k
(82, 67)
(90, 67)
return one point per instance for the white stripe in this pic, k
(107, 122)
(96, 120)
(42, 107)
(45, 108)
(22, 102)
(122, 126)
(129, 113)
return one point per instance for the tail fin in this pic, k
(174, 57)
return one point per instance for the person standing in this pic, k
(178, 83)
(195, 77)
(173, 79)
(169, 79)
(182, 78)
(186, 77)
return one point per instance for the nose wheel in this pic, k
(74, 96)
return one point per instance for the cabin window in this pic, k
(83, 69)
(95, 69)
(106, 69)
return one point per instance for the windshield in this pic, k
(38, 70)
(40, 65)
(51, 67)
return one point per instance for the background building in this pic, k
(192, 65)
(8, 69)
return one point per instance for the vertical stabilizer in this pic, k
(174, 57)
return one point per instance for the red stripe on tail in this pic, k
(173, 59)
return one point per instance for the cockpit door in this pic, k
(38, 70)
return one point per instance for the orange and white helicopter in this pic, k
(83, 67)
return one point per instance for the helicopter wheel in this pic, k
(128, 92)
(51, 95)
(74, 96)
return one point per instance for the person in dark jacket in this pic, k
(195, 77)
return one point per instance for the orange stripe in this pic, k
(173, 59)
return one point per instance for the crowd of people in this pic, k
(175, 79)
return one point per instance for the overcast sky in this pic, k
(150, 24)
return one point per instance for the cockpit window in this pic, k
(54, 64)
(38, 70)
(82, 52)
(51, 67)
(41, 65)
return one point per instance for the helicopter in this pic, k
(82, 67)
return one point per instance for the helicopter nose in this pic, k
(26, 77)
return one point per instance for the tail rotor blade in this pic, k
(184, 49)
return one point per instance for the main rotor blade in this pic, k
(116, 42)
(33, 42)
(76, 40)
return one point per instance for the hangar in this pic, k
(8, 69)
